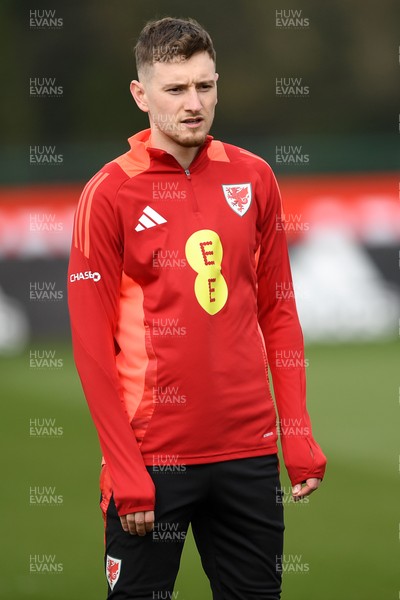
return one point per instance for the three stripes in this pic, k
(82, 217)
(149, 218)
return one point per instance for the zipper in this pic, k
(194, 201)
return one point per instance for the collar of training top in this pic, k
(211, 149)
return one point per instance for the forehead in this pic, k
(199, 67)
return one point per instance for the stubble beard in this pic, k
(184, 137)
(179, 134)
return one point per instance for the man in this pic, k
(178, 253)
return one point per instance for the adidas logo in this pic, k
(149, 218)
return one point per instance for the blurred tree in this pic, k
(347, 56)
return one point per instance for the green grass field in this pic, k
(346, 538)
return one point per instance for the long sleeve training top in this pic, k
(175, 295)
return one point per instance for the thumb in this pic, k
(296, 489)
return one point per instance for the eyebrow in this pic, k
(185, 85)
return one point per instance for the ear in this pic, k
(139, 95)
(216, 79)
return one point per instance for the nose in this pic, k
(192, 101)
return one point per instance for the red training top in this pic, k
(175, 297)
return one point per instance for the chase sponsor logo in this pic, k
(85, 275)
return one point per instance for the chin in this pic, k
(192, 141)
(187, 139)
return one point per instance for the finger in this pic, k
(124, 523)
(310, 486)
(140, 523)
(130, 519)
(305, 491)
(296, 489)
(149, 520)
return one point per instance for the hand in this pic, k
(300, 490)
(138, 523)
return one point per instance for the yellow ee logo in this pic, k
(204, 254)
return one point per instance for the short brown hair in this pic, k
(170, 39)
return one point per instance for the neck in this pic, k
(184, 156)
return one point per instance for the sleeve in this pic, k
(283, 337)
(94, 277)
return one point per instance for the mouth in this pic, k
(193, 122)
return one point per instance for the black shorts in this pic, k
(236, 512)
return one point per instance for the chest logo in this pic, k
(238, 196)
(149, 218)
(204, 254)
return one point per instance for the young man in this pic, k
(178, 255)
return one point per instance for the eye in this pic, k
(174, 90)
(205, 86)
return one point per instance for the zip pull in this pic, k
(187, 173)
